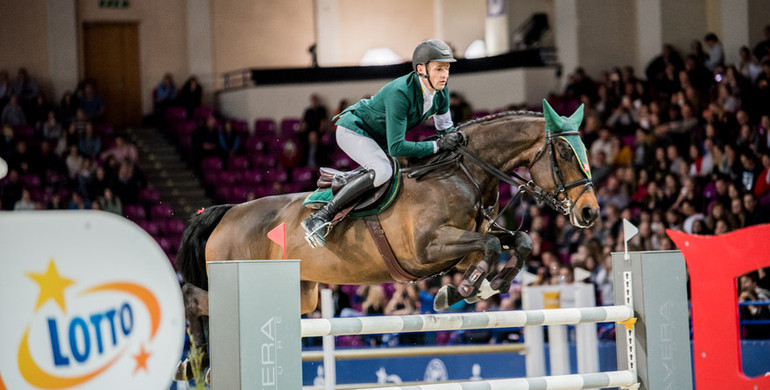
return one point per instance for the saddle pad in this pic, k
(319, 197)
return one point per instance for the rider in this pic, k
(373, 129)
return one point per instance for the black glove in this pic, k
(449, 141)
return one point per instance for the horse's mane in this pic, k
(498, 116)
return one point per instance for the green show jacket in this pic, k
(396, 108)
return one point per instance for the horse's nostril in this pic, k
(588, 214)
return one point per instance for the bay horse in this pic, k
(437, 223)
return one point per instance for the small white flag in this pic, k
(629, 231)
(527, 278)
(581, 274)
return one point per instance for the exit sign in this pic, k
(113, 3)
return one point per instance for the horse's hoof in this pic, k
(446, 296)
(208, 376)
(183, 371)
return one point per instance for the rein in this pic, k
(557, 200)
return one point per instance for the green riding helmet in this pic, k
(431, 50)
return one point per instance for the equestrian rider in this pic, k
(373, 129)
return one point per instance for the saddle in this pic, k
(372, 202)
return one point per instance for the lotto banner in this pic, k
(89, 301)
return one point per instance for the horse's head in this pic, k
(561, 168)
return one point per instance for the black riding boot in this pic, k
(318, 224)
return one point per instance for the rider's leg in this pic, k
(365, 151)
(368, 154)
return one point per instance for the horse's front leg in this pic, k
(452, 243)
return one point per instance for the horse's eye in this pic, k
(565, 153)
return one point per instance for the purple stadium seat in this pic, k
(264, 126)
(150, 227)
(479, 114)
(303, 175)
(161, 211)
(275, 175)
(24, 131)
(134, 212)
(104, 129)
(31, 180)
(212, 164)
(149, 195)
(238, 194)
(172, 226)
(290, 126)
(226, 178)
(264, 161)
(238, 163)
(185, 128)
(166, 244)
(200, 114)
(250, 177)
(224, 193)
(176, 114)
(255, 145)
(241, 127)
(39, 194)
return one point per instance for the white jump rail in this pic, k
(559, 382)
(316, 327)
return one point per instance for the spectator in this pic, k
(229, 142)
(190, 96)
(67, 109)
(716, 55)
(52, 129)
(5, 88)
(90, 145)
(459, 108)
(74, 162)
(13, 114)
(26, 88)
(762, 49)
(749, 66)
(38, 112)
(315, 118)
(316, 154)
(25, 203)
(122, 151)
(92, 104)
(109, 203)
(205, 140)
(753, 312)
(165, 93)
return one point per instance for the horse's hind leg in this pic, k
(196, 303)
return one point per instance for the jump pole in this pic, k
(255, 332)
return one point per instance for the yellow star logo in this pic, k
(141, 359)
(52, 286)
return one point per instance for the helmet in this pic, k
(431, 50)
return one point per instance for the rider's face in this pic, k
(439, 74)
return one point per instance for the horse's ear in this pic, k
(553, 121)
(577, 116)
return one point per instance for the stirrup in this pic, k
(316, 237)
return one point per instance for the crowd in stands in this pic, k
(682, 145)
(67, 157)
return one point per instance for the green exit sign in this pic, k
(113, 3)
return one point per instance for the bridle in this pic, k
(564, 205)
(557, 200)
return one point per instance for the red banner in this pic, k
(714, 263)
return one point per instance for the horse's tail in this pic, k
(191, 258)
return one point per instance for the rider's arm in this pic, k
(443, 118)
(396, 111)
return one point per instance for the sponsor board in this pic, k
(89, 301)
